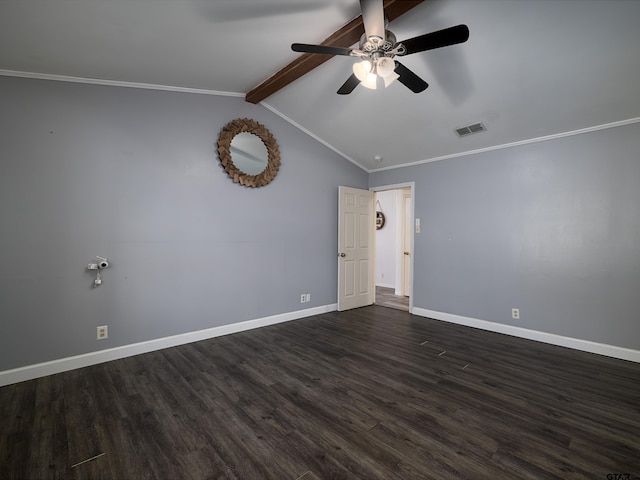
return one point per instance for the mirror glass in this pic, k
(249, 153)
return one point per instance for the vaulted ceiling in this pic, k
(531, 68)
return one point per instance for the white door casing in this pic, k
(406, 240)
(355, 248)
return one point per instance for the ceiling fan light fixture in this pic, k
(362, 70)
(370, 81)
(385, 66)
(389, 79)
(386, 69)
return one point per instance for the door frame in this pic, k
(407, 232)
(397, 186)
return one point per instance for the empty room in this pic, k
(341, 239)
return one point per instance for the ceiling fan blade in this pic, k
(306, 48)
(348, 86)
(441, 38)
(409, 79)
(373, 17)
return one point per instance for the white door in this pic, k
(355, 248)
(407, 262)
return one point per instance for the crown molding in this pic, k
(545, 138)
(199, 91)
(115, 83)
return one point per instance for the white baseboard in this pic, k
(385, 285)
(551, 338)
(38, 370)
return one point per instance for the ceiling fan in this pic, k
(379, 46)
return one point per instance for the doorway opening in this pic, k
(394, 246)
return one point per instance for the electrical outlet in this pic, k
(92, 266)
(515, 313)
(303, 298)
(103, 332)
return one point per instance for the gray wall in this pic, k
(133, 175)
(552, 228)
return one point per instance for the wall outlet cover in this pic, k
(103, 332)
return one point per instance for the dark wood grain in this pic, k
(386, 297)
(371, 393)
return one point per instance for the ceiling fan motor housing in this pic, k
(387, 47)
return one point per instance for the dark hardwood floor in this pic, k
(372, 393)
(386, 297)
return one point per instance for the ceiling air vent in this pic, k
(469, 129)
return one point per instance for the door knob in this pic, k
(342, 254)
(406, 253)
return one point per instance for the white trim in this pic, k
(400, 186)
(116, 83)
(30, 372)
(551, 338)
(386, 285)
(169, 88)
(315, 137)
(399, 238)
(606, 126)
(395, 186)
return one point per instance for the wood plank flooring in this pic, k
(372, 393)
(386, 297)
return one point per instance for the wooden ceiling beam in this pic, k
(345, 37)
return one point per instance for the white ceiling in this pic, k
(531, 68)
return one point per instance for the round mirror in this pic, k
(248, 152)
